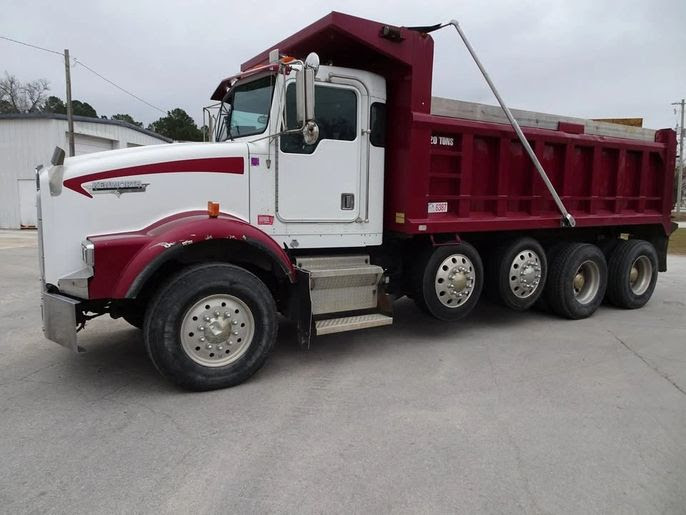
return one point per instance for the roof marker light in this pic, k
(213, 209)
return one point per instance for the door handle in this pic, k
(347, 201)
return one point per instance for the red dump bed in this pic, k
(474, 175)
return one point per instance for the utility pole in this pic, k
(70, 113)
(680, 177)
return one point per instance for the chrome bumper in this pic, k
(59, 320)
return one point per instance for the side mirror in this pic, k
(304, 95)
(304, 98)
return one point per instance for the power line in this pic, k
(118, 87)
(32, 46)
(76, 61)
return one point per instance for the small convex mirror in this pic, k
(312, 61)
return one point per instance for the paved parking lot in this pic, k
(502, 413)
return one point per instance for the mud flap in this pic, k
(303, 307)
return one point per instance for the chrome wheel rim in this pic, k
(455, 279)
(640, 275)
(586, 282)
(525, 273)
(217, 330)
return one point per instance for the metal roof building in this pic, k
(28, 139)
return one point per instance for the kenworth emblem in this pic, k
(117, 186)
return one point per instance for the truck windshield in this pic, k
(245, 109)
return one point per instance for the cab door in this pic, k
(321, 182)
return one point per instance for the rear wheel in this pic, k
(211, 326)
(517, 273)
(632, 274)
(448, 281)
(577, 280)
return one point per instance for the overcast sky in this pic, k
(581, 58)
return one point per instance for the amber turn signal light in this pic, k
(213, 209)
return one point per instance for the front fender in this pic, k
(121, 259)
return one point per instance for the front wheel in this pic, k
(211, 326)
(449, 280)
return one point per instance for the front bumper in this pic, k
(59, 320)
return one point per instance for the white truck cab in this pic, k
(326, 194)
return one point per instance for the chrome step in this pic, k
(341, 283)
(339, 325)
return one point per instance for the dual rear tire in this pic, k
(633, 271)
(447, 281)
(517, 273)
(577, 280)
(571, 280)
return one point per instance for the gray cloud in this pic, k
(583, 58)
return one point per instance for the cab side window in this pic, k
(377, 122)
(335, 114)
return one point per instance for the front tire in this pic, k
(211, 326)
(448, 281)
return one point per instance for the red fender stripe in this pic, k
(207, 165)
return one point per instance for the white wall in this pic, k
(28, 142)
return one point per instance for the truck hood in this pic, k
(146, 155)
(125, 190)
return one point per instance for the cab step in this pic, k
(351, 323)
(341, 283)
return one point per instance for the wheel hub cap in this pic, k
(217, 330)
(454, 282)
(633, 275)
(641, 275)
(586, 282)
(525, 273)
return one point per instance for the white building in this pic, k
(27, 140)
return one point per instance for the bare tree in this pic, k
(22, 97)
(10, 92)
(35, 93)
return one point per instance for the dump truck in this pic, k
(335, 185)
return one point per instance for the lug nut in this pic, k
(202, 339)
(206, 318)
(201, 328)
(234, 322)
(216, 313)
(235, 333)
(227, 314)
(209, 346)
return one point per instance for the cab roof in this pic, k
(399, 54)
